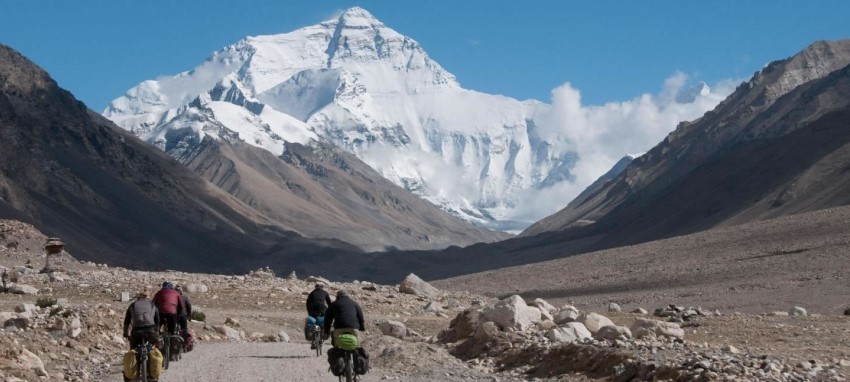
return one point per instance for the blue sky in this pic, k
(609, 50)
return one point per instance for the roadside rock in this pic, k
(228, 332)
(643, 327)
(640, 311)
(317, 280)
(22, 289)
(613, 333)
(545, 306)
(30, 361)
(613, 307)
(412, 284)
(29, 308)
(570, 332)
(512, 313)
(197, 288)
(566, 314)
(393, 329)
(232, 322)
(282, 335)
(797, 312)
(594, 321)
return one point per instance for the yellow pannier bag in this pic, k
(131, 370)
(155, 363)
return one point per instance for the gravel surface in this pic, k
(264, 362)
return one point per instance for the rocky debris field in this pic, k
(67, 326)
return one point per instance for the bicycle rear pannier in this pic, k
(131, 369)
(361, 361)
(188, 340)
(155, 363)
(336, 361)
(347, 341)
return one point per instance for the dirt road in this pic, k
(294, 362)
(255, 362)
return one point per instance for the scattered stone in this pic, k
(640, 311)
(292, 276)
(545, 306)
(613, 333)
(797, 312)
(317, 280)
(412, 284)
(125, 297)
(613, 307)
(197, 288)
(229, 333)
(566, 314)
(232, 322)
(433, 307)
(28, 308)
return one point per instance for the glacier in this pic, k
(372, 91)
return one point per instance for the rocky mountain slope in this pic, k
(75, 175)
(776, 146)
(373, 92)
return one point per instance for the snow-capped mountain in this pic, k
(371, 91)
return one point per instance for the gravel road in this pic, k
(293, 362)
(252, 362)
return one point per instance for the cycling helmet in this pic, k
(167, 285)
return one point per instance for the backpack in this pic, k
(361, 361)
(143, 312)
(336, 361)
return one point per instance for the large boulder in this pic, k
(511, 313)
(393, 329)
(30, 361)
(412, 284)
(644, 327)
(22, 289)
(566, 314)
(613, 333)
(570, 332)
(594, 321)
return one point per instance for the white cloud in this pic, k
(602, 135)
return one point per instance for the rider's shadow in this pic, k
(276, 356)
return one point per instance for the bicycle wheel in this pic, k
(167, 356)
(143, 370)
(349, 368)
(319, 347)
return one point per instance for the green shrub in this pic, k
(198, 315)
(44, 302)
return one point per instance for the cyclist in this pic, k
(344, 315)
(143, 316)
(318, 301)
(170, 305)
(186, 313)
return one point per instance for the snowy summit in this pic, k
(364, 87)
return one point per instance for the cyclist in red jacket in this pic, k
(170, 304)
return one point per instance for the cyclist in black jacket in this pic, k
(344, 315)
(318, 301)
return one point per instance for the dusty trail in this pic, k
(252, 362)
